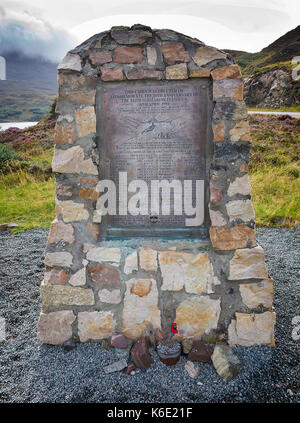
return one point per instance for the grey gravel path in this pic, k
(31, 372)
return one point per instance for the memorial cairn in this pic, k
(154, 114)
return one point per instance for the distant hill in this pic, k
(268, 73)
(277, 55)
(29, 89)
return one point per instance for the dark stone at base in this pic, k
(200, 352)
(69, 345)
(140, 353)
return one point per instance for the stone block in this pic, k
(55, 277)
(239, 236)
(103, 254)
(151, 56)
(86, 122)
(71, 211)
(110, 297)
(112, 74)
(226, 363)
(131, 263)
(79, 278)
(60, 231)
(140, 353)
(140, 307)
(206, 54)
(72, 161)
(174, 52)
(60, 259)
(115, 367)
(177, 71)
(98, 58)
(123, 35)
(240, 186)
(200, 73)
(64, 134)
(256, 294)
(216, 218)
(71, 62)
(248, 263)
(240, 132)
(59, 296)
(252, 329)
(228, 88)
(196, 316)
(240, 209)
(118, 340)
(144, 74)
(200, 352)
(148, 259)
(192, 369)
(105, 276)
(219, 131)
(124, 54)
(55, 328)
(232, 71)
(95, 325)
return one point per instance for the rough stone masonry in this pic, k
(92, 289)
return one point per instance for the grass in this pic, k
(279, 109)
(26, 201)
(27, 195)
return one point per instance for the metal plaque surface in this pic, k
(153, 131)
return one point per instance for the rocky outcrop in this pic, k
(271, 89)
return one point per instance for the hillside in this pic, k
(268, 73)
(29, 89)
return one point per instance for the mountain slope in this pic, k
(29, 89)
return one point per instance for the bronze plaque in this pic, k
(153, 131)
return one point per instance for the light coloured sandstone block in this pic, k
(140, 307)
(70, 62)
(55, 277)
(102, 254)
(97, 216)
(95, 325)
(200, 73)
(240, 209)
(219, 131)
(207, 54)
(197, 316)
(110, 297)
(232, 71)
(241, 131)
(228, 88)
(71, 211)
(59, 231)
(131, 263)
(248, 263)
(216, 218)
(151, 56)
(85, 121)
(255, 294)
(226, 363)
(177, 71)
(60, 259)
(148, 259)
(185, 270)
(58, 296)
(64, 134)
(72, 161)
(55, 328)
(239, 236)
(79, 278)
(240, 186)
(252, 329)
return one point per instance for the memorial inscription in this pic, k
(153, 131)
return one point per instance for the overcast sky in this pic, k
(235, 24)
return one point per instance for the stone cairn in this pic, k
(92, 290)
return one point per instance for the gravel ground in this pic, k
(31, 372)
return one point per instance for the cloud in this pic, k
(23, 32)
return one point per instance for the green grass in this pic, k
(279, 109)
(26, 201)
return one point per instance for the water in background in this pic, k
(21, 125)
